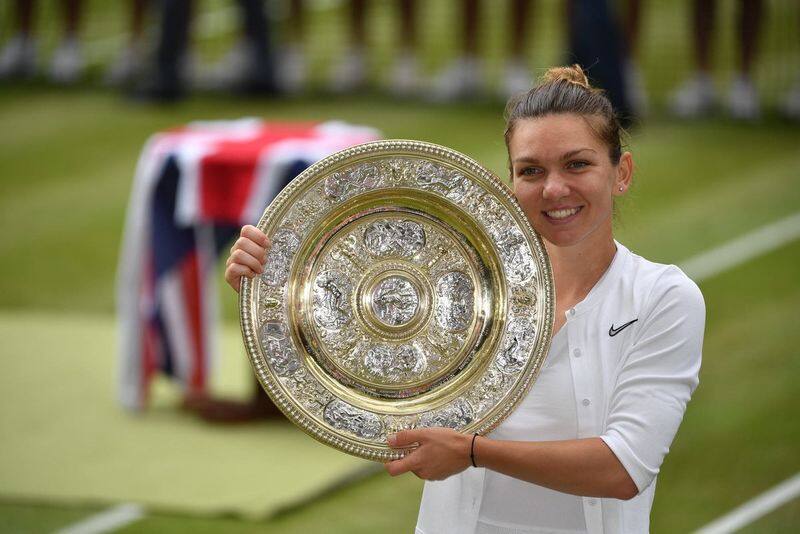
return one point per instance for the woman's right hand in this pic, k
(248, 255)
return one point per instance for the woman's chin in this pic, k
(560, 239)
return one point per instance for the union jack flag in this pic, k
(193, 189)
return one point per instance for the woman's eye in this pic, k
(530, 171)
(577, 164)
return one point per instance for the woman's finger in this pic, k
(234, 274)
(251, 247)
(254, 234)
(234, 282)
(403, 465)
(406, 438)
(243, 258)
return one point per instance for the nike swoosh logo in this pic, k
(614, 331)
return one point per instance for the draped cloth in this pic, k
(194, 188)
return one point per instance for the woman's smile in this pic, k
(562, 215)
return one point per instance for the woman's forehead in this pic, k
(553, 135)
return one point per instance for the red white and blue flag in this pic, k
(193, 190)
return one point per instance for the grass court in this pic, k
(67, 163)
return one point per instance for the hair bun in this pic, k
(573, 74)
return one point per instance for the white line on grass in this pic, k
(742, 249)
(755, 508)
(107, 520)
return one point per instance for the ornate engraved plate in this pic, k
(404, 288)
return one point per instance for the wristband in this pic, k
(472, 450)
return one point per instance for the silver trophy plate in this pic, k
(404, 288)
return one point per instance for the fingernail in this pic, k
(391, 439)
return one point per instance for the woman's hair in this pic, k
(567, 90)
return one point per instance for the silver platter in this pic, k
(404, 288)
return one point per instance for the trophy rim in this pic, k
(488, 180)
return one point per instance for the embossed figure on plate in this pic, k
(395, 301)
(280, 354)
(395, 364)
(353, 420)
(457, 415)
(514, 355)
(394, 238)
(515, 255)
(284, 244)
(341, 185)
(332, 300)
(452, 184)
(454, 296)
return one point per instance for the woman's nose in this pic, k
(555, 187)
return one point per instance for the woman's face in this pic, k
(564, 178)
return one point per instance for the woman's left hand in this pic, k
(436, 454)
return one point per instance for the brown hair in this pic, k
(567, 90)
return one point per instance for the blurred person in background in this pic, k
(634, 80)
(790, 103)
(291, 63)
(582, 450)
(404, 80)
(169, 77)
(251, 69)
(697, 96)
(596, 43)
(18, 57)
(464, 77)
(128, 65)
(350, 70)
(516, 75)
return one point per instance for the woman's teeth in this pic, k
(562, 214)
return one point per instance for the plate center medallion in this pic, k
(395, 300)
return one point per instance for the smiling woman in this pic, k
(581, 452)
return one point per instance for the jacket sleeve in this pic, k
(658, 375)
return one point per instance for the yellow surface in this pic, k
(64, 437)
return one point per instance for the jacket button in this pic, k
(576, 353)
(586, 402)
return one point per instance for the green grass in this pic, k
(66, 179)
(68, 161)
(379, 504)
(782, 520)
(67, 164)
(740, 434)
(29, 518)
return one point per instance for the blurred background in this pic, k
(711, 95)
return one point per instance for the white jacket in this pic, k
(631, 390)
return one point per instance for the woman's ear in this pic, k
(624, 174)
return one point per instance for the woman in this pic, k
(581, 452)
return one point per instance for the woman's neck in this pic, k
(577, 269)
